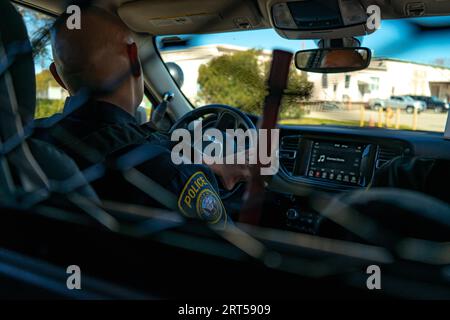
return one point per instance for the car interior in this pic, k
(316, 234)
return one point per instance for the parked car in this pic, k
(433, 103)
(331, 106)
(398, 102)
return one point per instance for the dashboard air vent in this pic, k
(386, 154)
(415, 9)
(288, 152)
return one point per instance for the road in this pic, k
(427, 121)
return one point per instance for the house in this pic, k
(52, 93)
(384, 77)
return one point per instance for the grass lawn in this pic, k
(316, 121)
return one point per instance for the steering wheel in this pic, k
(221, 117)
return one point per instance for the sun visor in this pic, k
(162, 17)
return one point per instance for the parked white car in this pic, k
(398, 102)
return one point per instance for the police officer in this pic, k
(104, 127)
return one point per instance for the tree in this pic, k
(44, 80)
(46, 107)
(239, 80)
(38, 26)
(442, 62)
(235, 79)
(299, 89)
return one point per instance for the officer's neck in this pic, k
(124, 105)
(122, 99)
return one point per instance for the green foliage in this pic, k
(46, 107)
(44, 80)
(239, 80)
(235, 80)
(38, 26)
(299, 89)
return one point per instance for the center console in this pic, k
(326, 163)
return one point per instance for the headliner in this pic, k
(159, 17)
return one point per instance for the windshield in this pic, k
(230, 68)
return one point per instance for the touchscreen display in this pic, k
(339, 162)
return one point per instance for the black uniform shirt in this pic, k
(99, 132)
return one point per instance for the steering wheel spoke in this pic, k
(226, 120)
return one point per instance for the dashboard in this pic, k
(316, 160)
(345, 158)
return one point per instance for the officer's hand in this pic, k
(231, 174)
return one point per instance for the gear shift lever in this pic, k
(161, 109)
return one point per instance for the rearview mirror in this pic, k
(333, 60)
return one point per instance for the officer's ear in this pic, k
(56, 76)
(133, 55)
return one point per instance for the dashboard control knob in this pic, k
(292, 214)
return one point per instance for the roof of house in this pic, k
(408, 61)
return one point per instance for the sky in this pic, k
(395, 39)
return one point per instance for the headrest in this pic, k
(17, 77)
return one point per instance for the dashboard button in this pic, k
(292, 214)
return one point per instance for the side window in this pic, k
(49, 94)
(147, 106)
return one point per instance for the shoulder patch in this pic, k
(199, 199)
